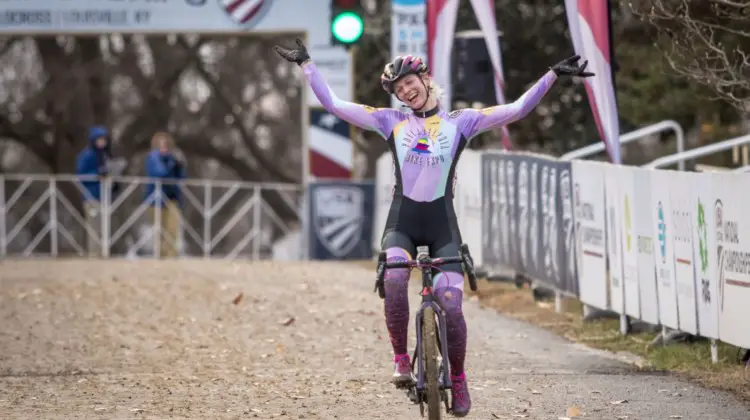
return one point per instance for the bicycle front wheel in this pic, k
(430, 357)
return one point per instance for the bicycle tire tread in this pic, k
(429, 345)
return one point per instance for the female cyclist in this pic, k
(425, 144)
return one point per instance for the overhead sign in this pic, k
(96, 16)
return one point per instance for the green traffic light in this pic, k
(347, 27)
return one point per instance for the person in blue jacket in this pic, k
(94, 161)
(163, 164)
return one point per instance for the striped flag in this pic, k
(331, 148)
(485, 12)
(590, 29)
(242, 11)
(441, 28)
(441, 25)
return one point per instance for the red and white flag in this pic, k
(485, 12)
(441, 28)
(589, 25)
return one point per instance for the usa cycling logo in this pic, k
(338, 218)
(245, 12)
(662, 229)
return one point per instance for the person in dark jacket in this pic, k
(163, 164)
(94, 161)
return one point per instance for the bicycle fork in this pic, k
(445, 379)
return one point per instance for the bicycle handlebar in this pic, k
(424, 261)
(427, 262)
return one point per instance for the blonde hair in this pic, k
(435, 90)
(158, 136)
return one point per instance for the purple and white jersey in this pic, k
(426, 150)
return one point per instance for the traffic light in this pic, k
(347, 22)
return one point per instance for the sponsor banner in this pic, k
(588, 216)
(526, 222)
(567, 245)
(340, 220)
(527, 214)
(705, 256)
(614, 224)
(467, 202)
(549, 267)
(628, 239)
(496, 211)
(732, 231)
(408, 32)
(681, 186)
(589, 219)
(661, 225)
(649, 298)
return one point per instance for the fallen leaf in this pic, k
(573, 411)
(535, 392)
(237, 299)
(619, 402)
(287, 322)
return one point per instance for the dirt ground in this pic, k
(224, 340)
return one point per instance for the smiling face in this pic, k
(411, 91)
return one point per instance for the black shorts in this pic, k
(433, 224)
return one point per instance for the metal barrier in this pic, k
(56, 215)
(709, 149)
(641, 133)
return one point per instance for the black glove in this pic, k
(570, 67)
(298, 56)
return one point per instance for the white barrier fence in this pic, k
(45, 215)
(670, 248)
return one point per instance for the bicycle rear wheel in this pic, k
(430, 357)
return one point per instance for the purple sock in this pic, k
(397, 301)
(448, 288)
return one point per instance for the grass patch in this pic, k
(689, 360)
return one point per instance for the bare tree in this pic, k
(707, 41)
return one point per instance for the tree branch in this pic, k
(248, 139)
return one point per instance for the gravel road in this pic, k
(148, 339)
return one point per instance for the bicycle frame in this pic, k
(428, 299)
(425, 264)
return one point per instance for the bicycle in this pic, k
(433, 377)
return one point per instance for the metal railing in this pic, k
(57, 215)
(641, 133)
(698, 152)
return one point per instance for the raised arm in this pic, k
(479, 121)
(365, 117)
(379, 120)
